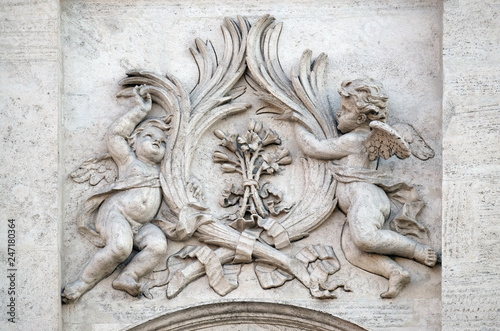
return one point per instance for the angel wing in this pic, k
(384, 141)
(418, 147)
(193, 113)
(301, 98)
(95, 170)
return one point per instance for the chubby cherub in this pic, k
(361, 189)
(123, 211)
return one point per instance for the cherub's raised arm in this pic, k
(123, 127)
(327, 149)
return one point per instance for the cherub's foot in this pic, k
(397, 281)
(74, 291)
(425, 254)
(128, 284)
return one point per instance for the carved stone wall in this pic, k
(30, 178)
(61, 70)
(471, 156)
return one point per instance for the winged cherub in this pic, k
(361, 120)
(124, 210)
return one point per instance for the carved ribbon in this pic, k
(250, 183)
(182, 228)
(322, 262)
(276, 231)
(221, 280)
(244, 248)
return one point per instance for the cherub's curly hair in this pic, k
(160, 123)
(369, 96)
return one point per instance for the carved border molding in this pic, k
(249, 313)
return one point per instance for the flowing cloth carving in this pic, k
(86, 218)
(405, 200)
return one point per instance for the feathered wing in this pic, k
(95, 170)
(418, 147)
(384, 141)
(302, 98)
(193, 113)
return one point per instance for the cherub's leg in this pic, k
(152, 244)
(375, 263)
(366, 215)
(116, 232)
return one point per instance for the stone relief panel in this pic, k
(254, 179)
(148, 164)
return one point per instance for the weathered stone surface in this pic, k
(429, 55)
(471, 158)
(29, 171)
(406, 59)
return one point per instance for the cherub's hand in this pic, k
(143, 102)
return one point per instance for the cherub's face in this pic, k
(349, 117)
(151, 144)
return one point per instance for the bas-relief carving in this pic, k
(152, 196)
(124, 210)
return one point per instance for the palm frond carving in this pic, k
(193, 113)
(301, 98)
